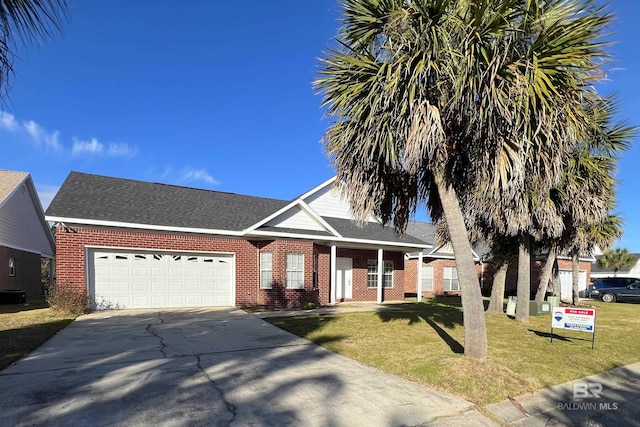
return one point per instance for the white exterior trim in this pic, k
(380, 273)
(304, 206)
(317, 188)
(333, 279)
(419, 284)
(141, 226)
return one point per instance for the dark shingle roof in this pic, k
(424, 231)
(370, 231)
(94, 197)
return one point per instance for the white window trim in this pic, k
(385, 274)
(298, 272)
(428, 287)
(264, 269)
(448, 278)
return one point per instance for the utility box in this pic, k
(554, 301)
(511, 306)
(539, 308)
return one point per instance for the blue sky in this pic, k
(212, 95)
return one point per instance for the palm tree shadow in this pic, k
(446, 311)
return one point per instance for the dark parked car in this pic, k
(616, 289)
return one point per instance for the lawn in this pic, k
(23, 328)
(423, 342)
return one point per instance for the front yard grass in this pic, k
(423, 343)
(23, 328)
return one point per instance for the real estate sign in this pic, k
(575, 319)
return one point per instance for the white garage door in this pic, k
(155, 280)
(566, 284)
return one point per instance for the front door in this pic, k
(344, 278)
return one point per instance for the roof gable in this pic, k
(22, 222)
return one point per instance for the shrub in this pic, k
(68, 301)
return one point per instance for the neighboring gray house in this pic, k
(25, 236)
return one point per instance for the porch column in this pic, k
(380, 274)
(332, 297)
(419, 284)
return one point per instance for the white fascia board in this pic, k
(142, 226)
(318, 218)
(318, 188)
(290, 205)
(434, 254)
(336, 239)
(300, 203)
(580, 258)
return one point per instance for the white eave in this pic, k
(118, 224)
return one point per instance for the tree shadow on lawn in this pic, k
(436, 311)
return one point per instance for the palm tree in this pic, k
(617, 259)
(585, 195)
(430, 97)
(24, 22)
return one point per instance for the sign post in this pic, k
(574, 319)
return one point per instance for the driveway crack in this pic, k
(163, 346)
(230, 407)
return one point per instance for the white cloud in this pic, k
(8, 122)
(121, 149)
(191, 174)
(41, 136)
(95, 147)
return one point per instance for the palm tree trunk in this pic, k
(524, 278)
(546, 273)
(496, 303)
(575, 278)
(475, 327)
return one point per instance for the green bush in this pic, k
(68, 301)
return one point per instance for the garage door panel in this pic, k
(148, 280)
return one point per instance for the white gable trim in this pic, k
(434, 253)
(302, 205)
(317, 188)
(141, 226)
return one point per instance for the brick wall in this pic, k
(71, 271)
(411, 275)
(27, 272)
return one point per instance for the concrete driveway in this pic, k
(204, 367)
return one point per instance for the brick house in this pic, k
(134, 244)
(25, 237)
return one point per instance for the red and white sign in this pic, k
(576, 319)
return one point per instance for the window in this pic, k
(427, 278)
(450, 279)
(372, 274)
(295, 270)
(315, 272)
(12, 267)
(266, 270)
